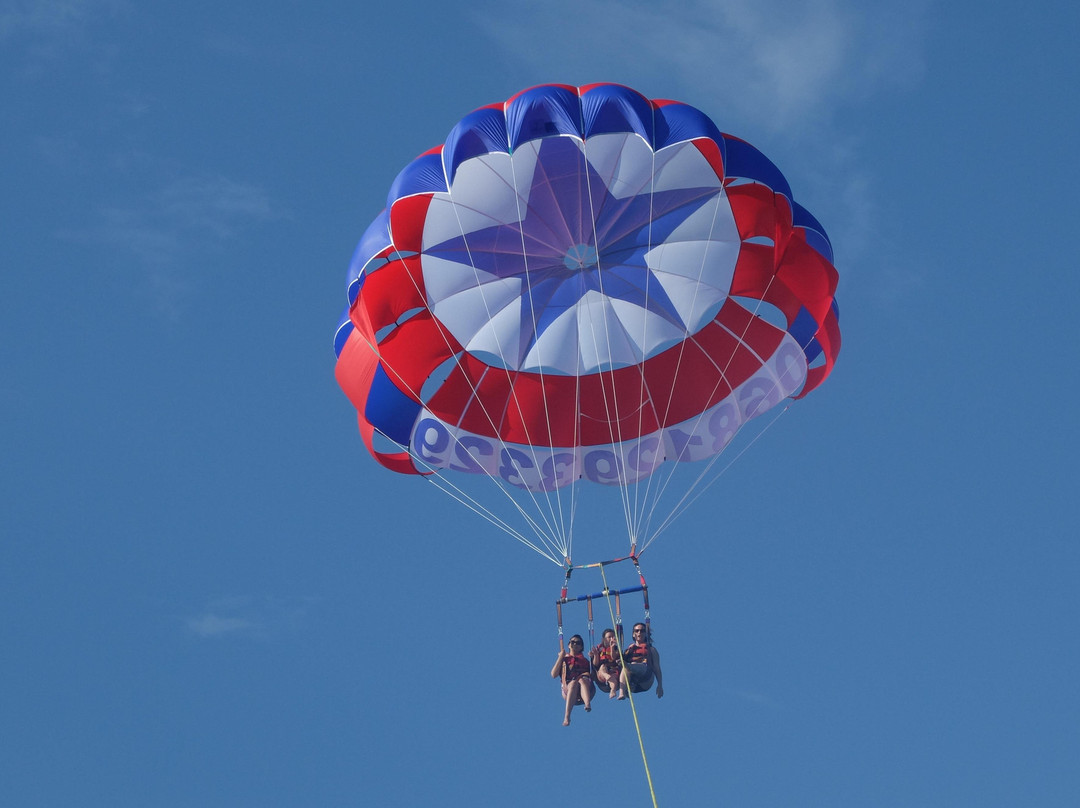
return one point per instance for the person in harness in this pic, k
(573, 669)
(642, 664)
(606, 665)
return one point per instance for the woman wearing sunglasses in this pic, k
(642, 662)
(573, 669)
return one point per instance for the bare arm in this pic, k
(556, 670)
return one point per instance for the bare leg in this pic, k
(572, 692)
(587, 691)
(604, 675)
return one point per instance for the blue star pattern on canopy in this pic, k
(574, 232)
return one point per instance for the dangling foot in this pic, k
(588, 708)
(611, 694)
(566, 721)
(622, 695)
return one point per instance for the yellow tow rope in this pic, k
(630, 693)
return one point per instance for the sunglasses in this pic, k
(576, 642)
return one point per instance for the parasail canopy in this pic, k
(581, 285)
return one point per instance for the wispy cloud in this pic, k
(182, 224)
(42, 16)
(184, 215)
(163, 236)
(247, 617)
(772, 63)
(46, 32)
(756, 698)
(213, 625)
(212, 204)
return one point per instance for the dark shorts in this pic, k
(641, 677)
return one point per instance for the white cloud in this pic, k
(46, 32)
(248, 617)
(770, 63)
(179, 223)
(41, 16)
(754, 697)
(182, 224)
(213, 625)
(215, 205)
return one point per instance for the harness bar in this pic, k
(601, 594)
(606, 592)
(632, 557)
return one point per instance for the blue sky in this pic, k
(210, 595)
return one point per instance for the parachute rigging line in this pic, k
(721, 378)
(549, 538)
(687, 500)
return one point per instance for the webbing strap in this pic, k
(592, 637)
(562, 644)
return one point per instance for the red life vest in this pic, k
(608, 655)
(574, 667)
(636, 653)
